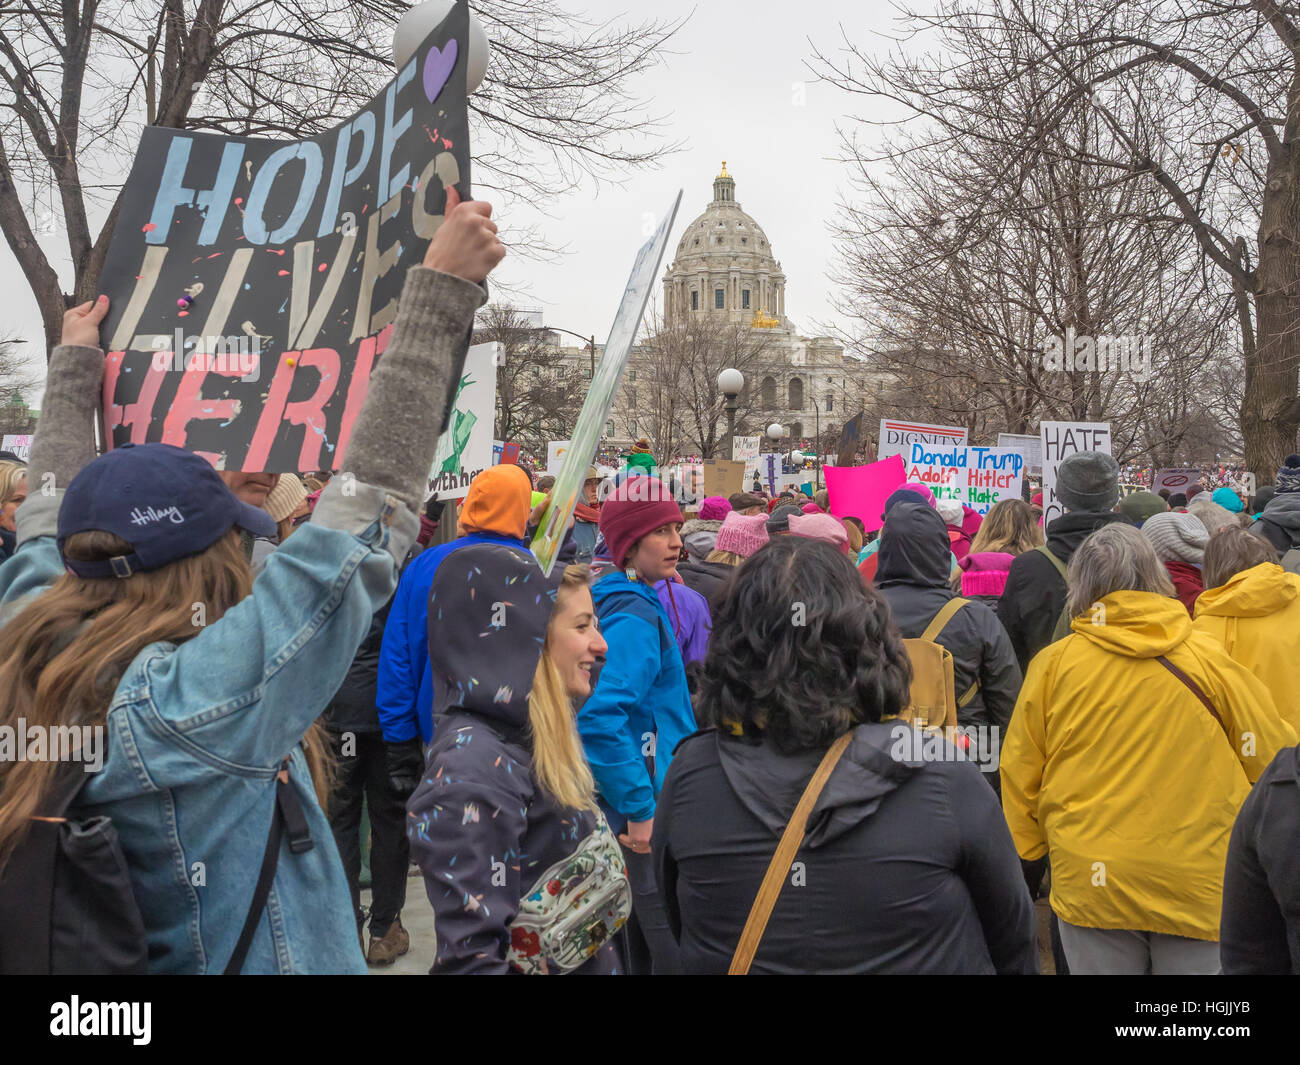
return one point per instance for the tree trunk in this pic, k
(1269, 415)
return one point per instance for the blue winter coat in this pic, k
(405, 696)
(641, 708)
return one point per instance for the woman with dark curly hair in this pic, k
(906, 865)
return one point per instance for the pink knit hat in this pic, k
(820, 527)
(922, 490)
(985, 573)
(812, 508)
(715, 508)
(742, 533)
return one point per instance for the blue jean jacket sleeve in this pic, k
(37, 562)
(399, 683)
(613, 749)
(247, 688)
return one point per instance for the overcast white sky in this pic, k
(730, 92)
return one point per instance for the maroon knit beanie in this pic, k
(640, 505)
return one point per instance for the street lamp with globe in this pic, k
(731, 383)
(775, 433)
(420, 20)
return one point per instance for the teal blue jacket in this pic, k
(641, 708)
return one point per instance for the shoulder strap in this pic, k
(1195, 689)
(1060, 566)
(774, 879)
(288, 814)
(943, 617)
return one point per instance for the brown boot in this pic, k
(393, 945)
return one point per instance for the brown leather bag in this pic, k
(774, 878)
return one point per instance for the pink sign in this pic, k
(861, 491)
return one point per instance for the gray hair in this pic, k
(1115, 558)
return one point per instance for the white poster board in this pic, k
(898, 435)
(1029, 446)
(977, 477)
(769, 471)
(1060, 440)
(19, 444)
(555, 456)
(746, 449)
(465, 449)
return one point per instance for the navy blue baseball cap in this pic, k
(166, 502)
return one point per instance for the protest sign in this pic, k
(897, 436)
(465, 448)
(746, 450)
(723, 477)
(975, 476)
(1029, 446)
(600, 396)
(861, 491)
(555, 456)
(18, 444)
(1175, 478)
(509, 454)
(850, 440)
(254, 282)
(769, 470)
(1060, 440)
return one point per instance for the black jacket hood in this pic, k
(1279, 522)
(769, 783)
(1067, 532)
(914, 548)
(489, 607)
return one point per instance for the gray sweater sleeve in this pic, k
(65, 438)
(396, 433)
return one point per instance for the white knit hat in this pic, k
(1176, 537)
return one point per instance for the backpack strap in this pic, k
(288, 815)
(1195, 689)
(942, 618)
(774, 879)
(1060, 566)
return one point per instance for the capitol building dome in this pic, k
(724, 264)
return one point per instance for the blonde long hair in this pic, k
(1010, 527)
(12, 474)
(558, 760)
(65, 652)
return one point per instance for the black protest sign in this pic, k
(254, 282)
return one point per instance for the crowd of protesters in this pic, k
(687, 748)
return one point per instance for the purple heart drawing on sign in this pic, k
(438, 66)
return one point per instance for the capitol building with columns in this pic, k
(725, 269)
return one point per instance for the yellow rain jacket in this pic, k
(1256, 616)
(1113, 767)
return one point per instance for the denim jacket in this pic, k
(196, 733)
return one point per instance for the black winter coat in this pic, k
(1279, 522)
(907, 867)
(913, 576)
(482, 830)
(707, 578)
(354, 708)
(1260, 927)
(1035, 593)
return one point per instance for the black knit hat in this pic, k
(1288, 477)
(779, 520)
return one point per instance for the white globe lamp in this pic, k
(420, 20)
